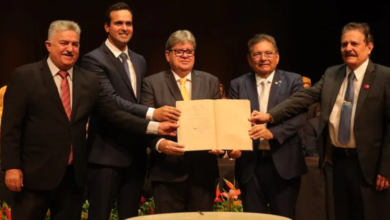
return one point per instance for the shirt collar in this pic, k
(177, 77)
(54, 69)
(269, 79)
(360, 71)
(115, 50)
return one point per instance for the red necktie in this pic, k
(65, 97)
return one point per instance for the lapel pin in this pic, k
(276, 83)
(366, 86)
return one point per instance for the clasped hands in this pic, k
(168, 117)
(257, 131)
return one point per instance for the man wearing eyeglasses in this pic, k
(182, 182)
(270, 175)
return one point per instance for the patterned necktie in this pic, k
(65, 98)
(183, 89)
(124, 57)
(346, 111)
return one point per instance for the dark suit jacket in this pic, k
(36, 132)
(110, 146)
(161, 89)
(286, 147)
(372, 117)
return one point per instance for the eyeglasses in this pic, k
(267, 54)
(180, 53)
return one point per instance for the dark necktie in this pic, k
(346, 111)
(65, 98)
(124, 57)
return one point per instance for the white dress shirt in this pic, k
(263, 92)
(153, 126)
(334, 119)
(58, 79)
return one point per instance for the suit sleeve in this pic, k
(297, 103)
(216, 90)
(92, 65)
(147, 99)
(282, 131)
(14, 112)
(233, 91)
(384, 164)
(109, 110)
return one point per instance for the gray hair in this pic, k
(364, 28)
(259, 38)
(180, 36)
(63, 25)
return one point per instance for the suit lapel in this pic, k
(51, 86)
(119, 66)
(172, 85)
(339, 77)
(137, 70)
(251, 88)
(277, 82)
(196, 82)
(367, 80)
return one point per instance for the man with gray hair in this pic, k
(46, 109)
(182, 181)
(354, 124)
(270, 175)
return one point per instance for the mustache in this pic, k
(350, 54)
(66, 53)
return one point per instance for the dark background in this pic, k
(307, 32)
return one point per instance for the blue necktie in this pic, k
(124, 57)
(346, 111)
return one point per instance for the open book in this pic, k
(214, 124)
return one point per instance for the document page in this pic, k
(232, 125)
(196, 125)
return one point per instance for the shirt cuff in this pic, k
(149, 114)
(152, 127)
(158, 143)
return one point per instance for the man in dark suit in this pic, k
(181, 181)
(271, 173)
(117, 161)
(355, 124)
(47, 106)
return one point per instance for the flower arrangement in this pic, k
(5, 212)
(227, 201)
(146, 206)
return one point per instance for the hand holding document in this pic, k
(214, 125)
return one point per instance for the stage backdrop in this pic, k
(307, 34)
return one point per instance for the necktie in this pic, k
(124, 57)
(183, 89)
(263, 98)
(65, 98)
(346, 111)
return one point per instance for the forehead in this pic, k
(181, 45)
(68, 35)
(121, 15)
(306, 79)
(262, 46)
(352, 35)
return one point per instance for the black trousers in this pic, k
(190, 195)
(107, 184)
(354, 198)
(65, 202)
(268, 192)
